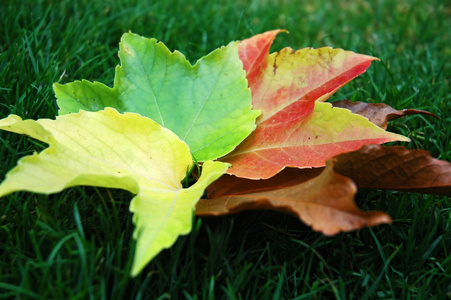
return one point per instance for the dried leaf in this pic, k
(228, 185)
(324, 202)
(378, 113)
(396, 168)
(372, 166)
(301, 191)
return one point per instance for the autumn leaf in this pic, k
(229, 185)
(295, 128)
(207, 105)
(396, 168)
(323, 134)
(372, 166)
(378, 113)
(113, 150)
(326, 203)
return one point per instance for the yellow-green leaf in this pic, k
(114, 150)
(208, 104)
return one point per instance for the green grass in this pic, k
(78, 244)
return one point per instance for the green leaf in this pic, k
(114, 150)
(86, 95)
(207, 105)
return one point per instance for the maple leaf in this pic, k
(372, 166)
(207, 105)
(295, 128)
(396, 168)
(113, 150)
(325, 202)
(323, 197)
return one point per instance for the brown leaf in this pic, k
(396, 168)
(324, 202)
(372, 166)
(378, 113)
(323, 198)
(228, 185)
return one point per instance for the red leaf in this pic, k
(292, 130)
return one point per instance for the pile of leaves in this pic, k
(257, 123)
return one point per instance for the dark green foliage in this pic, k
(78, 244)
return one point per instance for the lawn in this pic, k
(78, 244)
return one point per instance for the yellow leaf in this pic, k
(113, 150)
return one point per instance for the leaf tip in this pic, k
(402, 138)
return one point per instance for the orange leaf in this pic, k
(303, 191)
(324, 202)
(228, 185)
(372, 166)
